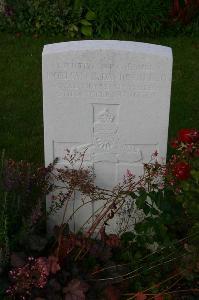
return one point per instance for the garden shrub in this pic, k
(45, 17)
(157, 259)
(41, 16)
(22, 202)
(136, 17)
(99, 18)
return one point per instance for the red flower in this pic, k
(174, 143)
(181, 170)
(188, 135)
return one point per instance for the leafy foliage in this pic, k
(136, 17)
(22, 203)
(44, 17)
(157, 259)
(89, 18)
(75, 290)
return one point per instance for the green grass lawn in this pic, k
(21, 124)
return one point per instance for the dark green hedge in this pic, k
(40, 16)
(130, 16)
(99, 18)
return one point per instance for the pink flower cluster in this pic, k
(33, 274)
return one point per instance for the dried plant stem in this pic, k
(143, 258)
(127, 275)
(96, 223)
(79, 207)
(159, 260)
(62, 224)
(153, 286)
(116, 200)
(101, 207)
(165, 291)
(184, 291)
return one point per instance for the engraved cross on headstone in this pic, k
(109, 156)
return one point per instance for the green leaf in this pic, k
(72, 28)
(127, 236)
(132, 195)
(185, 186)
(87, 31)
(85, 22)
(77, 4)
(141, 199)
(166, 206)
(154, 211)
(146, 208)
(90, 15)
(37, 25)
(195, 174)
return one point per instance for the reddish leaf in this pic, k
(54, 266)
(112, 293)
(140, 296)
(75, 290)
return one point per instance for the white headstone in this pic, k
(110, 96)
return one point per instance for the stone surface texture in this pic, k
(110, 97)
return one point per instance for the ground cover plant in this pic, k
(157, 259)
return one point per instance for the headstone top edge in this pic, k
(129, 46)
